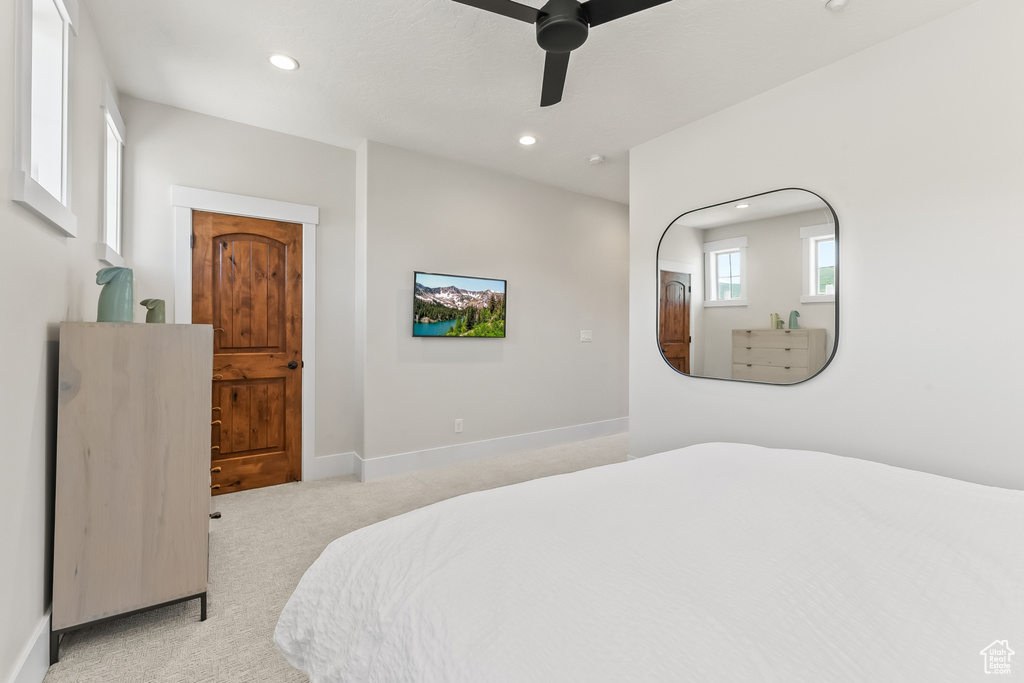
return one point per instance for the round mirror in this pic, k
(749, 288)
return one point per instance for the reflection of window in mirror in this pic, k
(819, 258)
(727, 274)
(824, 266)
(725, 265)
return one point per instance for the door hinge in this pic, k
(690, 341)
(193, 244)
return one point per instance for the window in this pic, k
(41, 178)
(110, 248)
(48, 85)
(823, 268)
(725, 264)
(819, 247)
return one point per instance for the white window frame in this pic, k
(25, 190)
(109, 250)
(711, 250)
(810, 236)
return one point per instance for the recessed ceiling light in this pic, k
(596, 159)
(527, 140)
(836, 5)
(283, 62)
(742, 206)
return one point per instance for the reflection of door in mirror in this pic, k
(674, 332)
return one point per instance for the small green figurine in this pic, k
(155, 312)
(793, 315)
(115, 304)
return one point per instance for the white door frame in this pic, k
(186, 199)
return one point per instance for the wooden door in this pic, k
(674, 319)
(247, 283)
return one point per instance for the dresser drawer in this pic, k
(785, 357)
(769, 373)
(770, 339)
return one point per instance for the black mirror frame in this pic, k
(836, 277)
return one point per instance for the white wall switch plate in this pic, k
(586, 335)
(458, 426)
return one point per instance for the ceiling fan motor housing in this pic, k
(562, 26)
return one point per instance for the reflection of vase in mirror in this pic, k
(745, 260)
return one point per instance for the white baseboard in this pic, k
(36, 658)
(337, 465)
(403, 463)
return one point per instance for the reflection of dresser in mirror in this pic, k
(777, 356)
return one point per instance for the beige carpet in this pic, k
(259, 550)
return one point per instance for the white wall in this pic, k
(918, 144)
(169, 146)
(44, 278)
(400, 213)
(564, 256)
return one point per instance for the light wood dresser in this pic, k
(777, 356)
(132, 501)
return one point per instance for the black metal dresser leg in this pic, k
(54, 647)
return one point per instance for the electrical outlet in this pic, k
(458, 426)
(586, 335)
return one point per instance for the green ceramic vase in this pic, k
(155, 310)
(116, 296)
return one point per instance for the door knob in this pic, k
(292, 365)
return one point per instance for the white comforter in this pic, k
(719, 562)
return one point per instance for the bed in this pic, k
(717, 562)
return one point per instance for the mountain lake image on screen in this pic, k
(457, 306)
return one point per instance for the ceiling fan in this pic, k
(562, 26)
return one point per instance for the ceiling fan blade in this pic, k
(506, 8)
(603, 11)
(556, 64)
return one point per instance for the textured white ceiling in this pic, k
(451, 80)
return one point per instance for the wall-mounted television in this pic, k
(457, 306)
